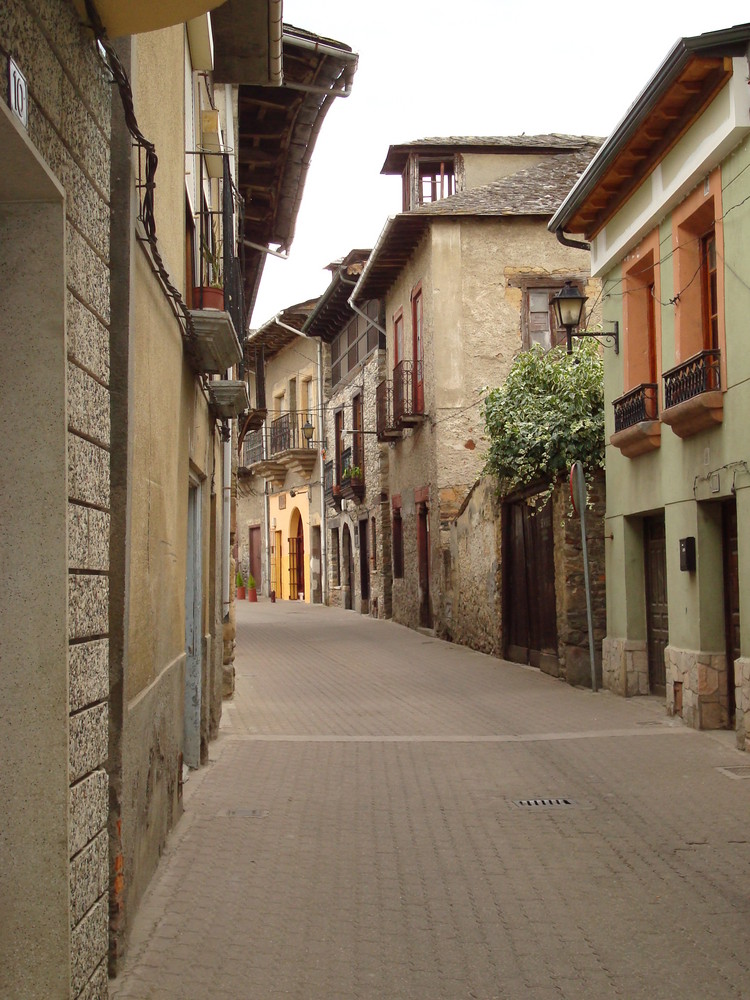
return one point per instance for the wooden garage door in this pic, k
(530, 586)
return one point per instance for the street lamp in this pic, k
(307, 430)
(568, 306)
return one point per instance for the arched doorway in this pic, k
(296, 557)
(347, 568)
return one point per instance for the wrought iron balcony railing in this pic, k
(408, 393)
(252, 449)
(286, 432)
(385, 423)
(701, 373)
(637, 405)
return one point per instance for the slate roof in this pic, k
(537, 190)
(549, 142)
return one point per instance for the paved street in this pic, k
(356, 835)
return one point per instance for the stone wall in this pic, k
(697, 687)
(572, 618)
(69, 126)
(373, 506)
(473, 586)
(473, 611)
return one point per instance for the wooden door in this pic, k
(657, 605)
(417, 353)
(347, 567)
(423, 560)
(255, 555)
(191, 741)
(364, 565)
(731, 598)
(300, 561)
(293, 569)
(530, 600)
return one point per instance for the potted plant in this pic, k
(210, 295)
(240, 584)
(252, 593)
(352, 483)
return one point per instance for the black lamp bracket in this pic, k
(613, 336)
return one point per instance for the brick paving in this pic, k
(355, 835)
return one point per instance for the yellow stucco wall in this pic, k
(284, 522)
(172, 435)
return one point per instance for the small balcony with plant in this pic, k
(352, 477)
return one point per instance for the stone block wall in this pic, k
(69, 124)
(742, 701)
(697, 687)
(472, 612)
(625, 666)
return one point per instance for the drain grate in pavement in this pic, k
(543, 803)
(737, 772)
(243, 813)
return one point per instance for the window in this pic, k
(641, 287)
(417, 316)
(697, 237)
(398, 337)
(538, 318)
(358, 451)
(338, 421)
(353, 344)
(374, 543)
(427, 179)
(398, 542)
(335, 560)
(709, 281)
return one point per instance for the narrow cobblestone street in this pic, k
(356, 835)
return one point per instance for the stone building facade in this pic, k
(55, 378)
(357, 512)
(461, 271)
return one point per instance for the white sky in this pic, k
(481, 67)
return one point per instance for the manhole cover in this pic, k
(543, 803)
(737, 772)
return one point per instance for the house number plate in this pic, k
(18, 94)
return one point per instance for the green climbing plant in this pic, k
(548, 414)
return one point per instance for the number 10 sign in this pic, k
(18, 94)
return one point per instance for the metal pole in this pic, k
(578, 495)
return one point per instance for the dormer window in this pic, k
(428, 179)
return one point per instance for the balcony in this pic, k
(693, 400)
(386, 426)
(637, 425)
(352, 480)
(332, 490)
(227, 397)
(215, 347)
(280, 449)
(408, 394)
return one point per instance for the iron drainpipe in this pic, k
(350, 303)
(225, 521)
(568, 242)
(322, 486)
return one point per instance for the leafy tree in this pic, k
(548, 414)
